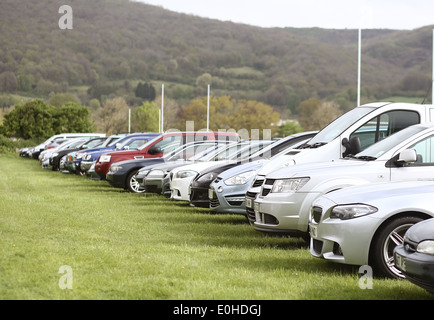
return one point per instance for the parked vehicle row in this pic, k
(352, 190)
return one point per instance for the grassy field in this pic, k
(119, 245)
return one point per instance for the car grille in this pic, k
(317, 246)
(266, 188)
(214, 203)
(258, 182)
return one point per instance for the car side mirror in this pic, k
(352, 146)
(118, 145)
(407, 156)
(154, 150)
(127, 148)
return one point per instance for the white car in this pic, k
(283, 206)
(181, 177)
(351, 133)
(362, 225)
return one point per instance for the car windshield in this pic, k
(381, 147)
(335, 128)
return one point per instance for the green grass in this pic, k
(135, 246)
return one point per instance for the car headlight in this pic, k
(156, 174)
(426, 247)
(105, 158)
(185, 174)
(87, 157)
(79, 156)
(54, 154)
(289, 185)
(208, 177)
(350, 211)
(240, 179)
(115, 168)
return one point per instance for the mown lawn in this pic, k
(120, 245)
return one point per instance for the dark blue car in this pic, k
(128, 142)
(415, 257)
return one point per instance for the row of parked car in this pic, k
(358, 191)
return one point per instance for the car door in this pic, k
(423, 168)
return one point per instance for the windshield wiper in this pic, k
(366, 158)
(312, 146)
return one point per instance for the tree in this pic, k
(33, 119)
(305, 110)
(60, 99)
(8, 81)
(112, 117)
(315, 115)
(37, 119)
(145, 118)
(72, 117)
(145, 91)
(287, 128)
(226, 113)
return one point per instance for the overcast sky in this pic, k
(329, 14)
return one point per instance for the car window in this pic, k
(137, 143)
(425, 152)
(170, 143)
(384, 125)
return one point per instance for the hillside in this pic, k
(116, 43)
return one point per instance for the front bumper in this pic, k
(228, 199)
(283, 213)
(418, 268)
(341, 241)
(116, 180)
(181, 188)
(86, 165)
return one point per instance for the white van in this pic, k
(349, 134)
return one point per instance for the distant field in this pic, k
(110, 244)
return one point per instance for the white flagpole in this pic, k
(359, 66)
(162, 107)
(129, 119)
(207, 113)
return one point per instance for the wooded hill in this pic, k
(114, 44)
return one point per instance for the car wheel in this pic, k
(132, 184)
(385, 242)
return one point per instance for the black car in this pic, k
(122, 174)
(199, 187)
(415, 257)
(56, 157)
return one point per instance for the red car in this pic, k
(167, 142)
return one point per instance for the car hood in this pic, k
(200, 166)
(327, 168)
(369, 193)
(256, 165)
(421, 231)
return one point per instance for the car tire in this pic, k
(385, 241)
(132, 184)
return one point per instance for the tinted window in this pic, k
(384, 125)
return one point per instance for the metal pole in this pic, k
(359, 66)
(207, 113)
(129, 119)
(162, 107)
(432, 83)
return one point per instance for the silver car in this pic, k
(227, 192)
(362, 225)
